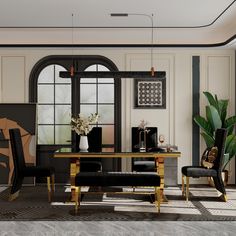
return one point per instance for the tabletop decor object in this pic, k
(143, 130)
(82, 126)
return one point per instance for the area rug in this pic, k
(32, 205)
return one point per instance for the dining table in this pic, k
(75, 157)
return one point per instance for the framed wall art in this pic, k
(150, 93)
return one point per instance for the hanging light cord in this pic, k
(72, 69)
(152, 33)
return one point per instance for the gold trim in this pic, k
(223, 197)
(13, 196)
(187, 188)
(183, 189)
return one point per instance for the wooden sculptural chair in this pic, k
(21, 170)
(215, 170)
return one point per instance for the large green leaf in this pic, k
(230, 129)
(230, 121)
(230, 146)
(229, 139)
(223, 104)
(203, 124)
(209, 140)
(213, 117)
(212, 101)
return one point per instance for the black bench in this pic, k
(147, 179)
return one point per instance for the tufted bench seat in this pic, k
(147, 179)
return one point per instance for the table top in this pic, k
(69, 153)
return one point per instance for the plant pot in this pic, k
(225, 178)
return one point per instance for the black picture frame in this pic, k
(150, 93)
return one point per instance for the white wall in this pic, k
(175, 122)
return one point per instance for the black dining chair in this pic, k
(95, 145)
(214, 172)
(21, 170)
(144, 164)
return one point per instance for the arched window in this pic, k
(59, 98)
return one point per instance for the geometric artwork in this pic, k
(150, 93)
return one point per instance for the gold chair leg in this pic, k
(187, 188)
(53, 182)
(13, 196)
(223, 197)
(183, 186)
(77, 199)
(158, 198)
(49, 188)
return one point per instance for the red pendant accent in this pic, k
(72, 71)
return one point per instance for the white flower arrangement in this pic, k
(143, 126)
(83, 125)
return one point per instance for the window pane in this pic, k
(91, 68)
(62, 93)
(45, 134)
(62, 134)
(88, 80)
(47, 75)
(59, 79)
(87, 93)
(102, 68)
(106, 80)
(106, 93)
(88, 109)
(107, 134)
(62, 114)
(45, 114)
(45, 93)
(106, 114)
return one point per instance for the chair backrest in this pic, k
(1, 135)
(220, 138)
(95, 139)
(17, 150)
(151, 138)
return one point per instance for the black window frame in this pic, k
(81, 63)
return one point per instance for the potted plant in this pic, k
(216, 117)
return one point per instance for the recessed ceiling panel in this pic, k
(96, 13)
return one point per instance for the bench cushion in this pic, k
(117, 179)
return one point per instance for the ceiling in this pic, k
(175, 22)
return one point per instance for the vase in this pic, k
(83, 144)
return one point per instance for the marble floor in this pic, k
(117, 228)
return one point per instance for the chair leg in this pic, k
(49, 189)
(77, 199)
(53, 182)
(219, 184)
(16, 186)
(187, 188)
(158, 198)
(183, 186)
